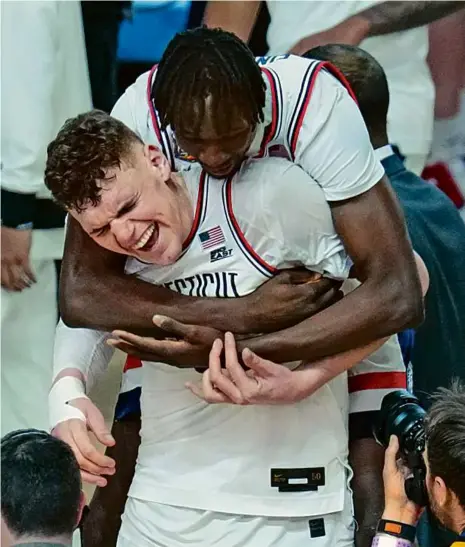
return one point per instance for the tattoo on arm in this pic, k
(390, 17)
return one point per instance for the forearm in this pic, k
(236, 17)
(370, 312)
(320, 372)
(96, 293)
(128, 303)
(389, 17)
(80, 353)
(80, 358)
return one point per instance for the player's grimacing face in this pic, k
(219, 152)
(139, 213)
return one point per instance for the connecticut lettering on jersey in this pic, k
(220, 284)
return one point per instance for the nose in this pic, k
(213, 156)
(123, 230)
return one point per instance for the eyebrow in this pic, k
(122, 209)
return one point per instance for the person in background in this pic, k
(444, 458)
(41, 501)
(446, 59)
(101, 21)
(44, 81)
(436, 230)
(296, 27)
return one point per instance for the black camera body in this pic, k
(402, 415)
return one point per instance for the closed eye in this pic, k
(127, 208)
(100, 231)
(123, 211)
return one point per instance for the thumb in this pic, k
(390, 459)
(262, 367)
(98, 427)
(171, 326)
(299, 276)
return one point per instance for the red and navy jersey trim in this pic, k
(272, 130)
(252, 256)
(377, 380)
(162, 136)
(132, 363)
(304, 97)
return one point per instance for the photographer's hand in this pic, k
(397, 506)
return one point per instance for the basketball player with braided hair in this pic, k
(236, 107)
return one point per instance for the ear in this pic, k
(440, 491)
(158, 160)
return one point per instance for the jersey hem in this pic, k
(221, 502)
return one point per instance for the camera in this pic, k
(402, 415)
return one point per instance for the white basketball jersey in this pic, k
(288, 460)
(309, 119)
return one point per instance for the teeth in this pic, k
(145, 237)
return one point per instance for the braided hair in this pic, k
(213, 63)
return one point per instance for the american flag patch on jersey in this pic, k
(211, 238)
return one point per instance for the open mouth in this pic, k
(148, 238)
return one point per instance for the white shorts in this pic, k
(149, 524)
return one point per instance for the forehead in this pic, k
(210, 123)
(114, 192)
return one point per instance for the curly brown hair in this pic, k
(79, 158)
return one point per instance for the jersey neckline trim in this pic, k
(247, 249)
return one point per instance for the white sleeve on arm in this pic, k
(333, 145)
(28, 71)
(81, 350)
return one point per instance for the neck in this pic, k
(58, 540)
(187, 202)
(458, 521)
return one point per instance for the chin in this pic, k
(168, 256)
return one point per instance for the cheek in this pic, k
(108, 242)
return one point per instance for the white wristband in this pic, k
(65, 390)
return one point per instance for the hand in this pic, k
(185, 345)
(397, 506)
(264, 383)
(16, 272)
(287, 299)
(351, 31)
(74, 432)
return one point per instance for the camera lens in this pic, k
(401, 415)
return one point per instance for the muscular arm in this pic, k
(390, 17)
(389, 299)
(236, 17)
(96, 293)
